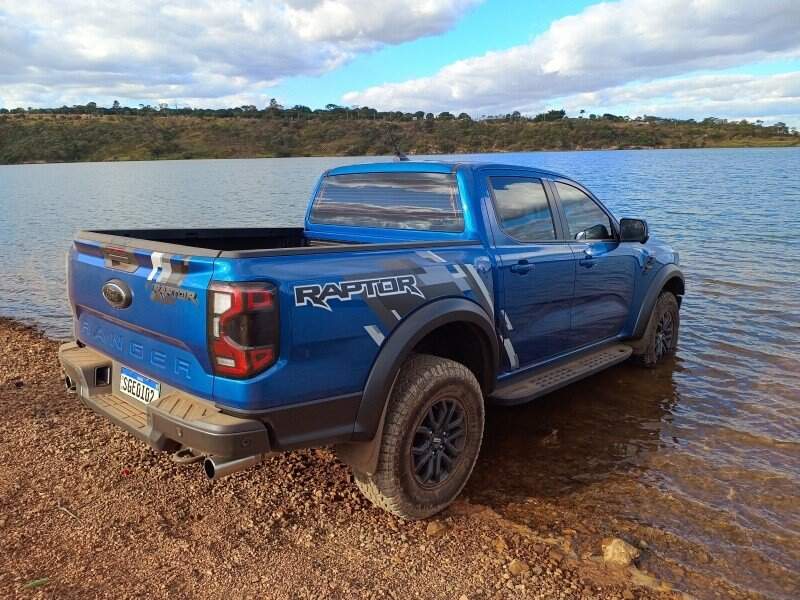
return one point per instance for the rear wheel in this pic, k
(661, 336)
(431, 438)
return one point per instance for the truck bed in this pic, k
(243, 242)
(220, 239)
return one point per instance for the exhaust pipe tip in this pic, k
(217, 468)
(209, 468)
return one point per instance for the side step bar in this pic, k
(550, 379)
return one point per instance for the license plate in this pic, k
(138, 386)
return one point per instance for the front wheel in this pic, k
(661, 336)
(431, 438)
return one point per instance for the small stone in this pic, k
(628, 595)
(517, 567)
(619, 553)
(500, 545)
(435, 529)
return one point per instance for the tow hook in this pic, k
(185, 456)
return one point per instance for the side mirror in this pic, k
(595, 232)
(633, 230)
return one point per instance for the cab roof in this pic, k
(433, 167)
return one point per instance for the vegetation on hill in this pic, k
(92, 133)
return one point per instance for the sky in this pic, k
(729, 59)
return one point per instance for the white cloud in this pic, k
(767, 97)
(54, 52)
(604, 47)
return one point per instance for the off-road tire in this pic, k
(424, 381)
(654, 345)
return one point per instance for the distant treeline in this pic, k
(95, 133)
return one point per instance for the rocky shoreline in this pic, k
(86, 511)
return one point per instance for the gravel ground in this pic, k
(87, 511)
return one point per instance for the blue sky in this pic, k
(680, 58)
(494, 25)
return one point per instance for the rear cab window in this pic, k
(409, 200)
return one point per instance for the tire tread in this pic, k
(384, 488)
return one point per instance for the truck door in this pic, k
(536, 269)
(605, 269)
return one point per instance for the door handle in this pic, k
(589, 258)
(522, 267)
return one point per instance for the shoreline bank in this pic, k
(42, 138)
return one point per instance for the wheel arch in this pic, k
(443, 328)
(669, 278)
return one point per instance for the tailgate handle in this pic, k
(119, 259)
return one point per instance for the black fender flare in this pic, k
(666, 273)
(362, 453)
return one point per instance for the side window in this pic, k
(522, 209)
(586, 220)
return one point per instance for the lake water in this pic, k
(699, 458)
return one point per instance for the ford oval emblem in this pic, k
(117, 293)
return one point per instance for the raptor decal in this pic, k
(319, 294)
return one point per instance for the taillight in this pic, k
(242, 328)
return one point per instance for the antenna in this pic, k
(399, 155)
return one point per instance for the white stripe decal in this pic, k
(508, 321)
(458, 271)
(482, 286)
(512, 354)
(396, 314)
(375, 333)
(155, 258)
(432, 255)
(166, 270)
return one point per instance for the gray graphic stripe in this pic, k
(179, 270)
(379, 308)
(459, 272)
(482, 287)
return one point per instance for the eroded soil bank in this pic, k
(86, 511)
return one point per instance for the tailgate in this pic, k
(144, 308)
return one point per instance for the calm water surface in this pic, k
(699, 458)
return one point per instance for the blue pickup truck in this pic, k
(414, 293)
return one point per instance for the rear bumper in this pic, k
(174, 420)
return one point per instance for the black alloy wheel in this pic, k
(438, 442)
